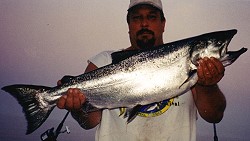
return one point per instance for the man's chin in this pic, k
(145, 44)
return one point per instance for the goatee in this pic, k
(145, 42)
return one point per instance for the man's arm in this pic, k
(209, 99)
(73, 100)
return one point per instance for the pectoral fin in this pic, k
(190, 76)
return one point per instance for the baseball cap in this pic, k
(154, 3)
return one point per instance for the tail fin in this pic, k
(30, 98)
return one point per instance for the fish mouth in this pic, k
(231, 56)
(225, 37)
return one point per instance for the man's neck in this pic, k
(136, 47)
(131, 48)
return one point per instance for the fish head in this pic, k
(214, 44)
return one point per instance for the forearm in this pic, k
(87, 120)
(210, 102)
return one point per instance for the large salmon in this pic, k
(134, 78)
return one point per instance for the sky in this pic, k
(41, 41)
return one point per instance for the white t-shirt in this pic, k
(170, 120)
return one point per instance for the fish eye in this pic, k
(219, 43)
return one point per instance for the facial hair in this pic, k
(145, 42)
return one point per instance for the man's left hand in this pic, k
(210, 71)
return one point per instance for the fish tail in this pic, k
(35, 107)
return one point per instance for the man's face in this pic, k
(145, 27)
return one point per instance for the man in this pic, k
(169, 120)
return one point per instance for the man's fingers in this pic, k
(200, 70)
(61, 102)
(77, 99)
(59, 82)
(74, 100)
(210, 71)
(219, 66)
(71, 100)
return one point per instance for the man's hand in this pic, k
(210, 71)
(72, 100)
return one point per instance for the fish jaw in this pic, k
(232, 56)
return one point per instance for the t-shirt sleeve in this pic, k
(101, 59)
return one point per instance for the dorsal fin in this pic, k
(190, 75)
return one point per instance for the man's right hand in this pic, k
(72, 100)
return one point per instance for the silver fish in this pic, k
(133, 78)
